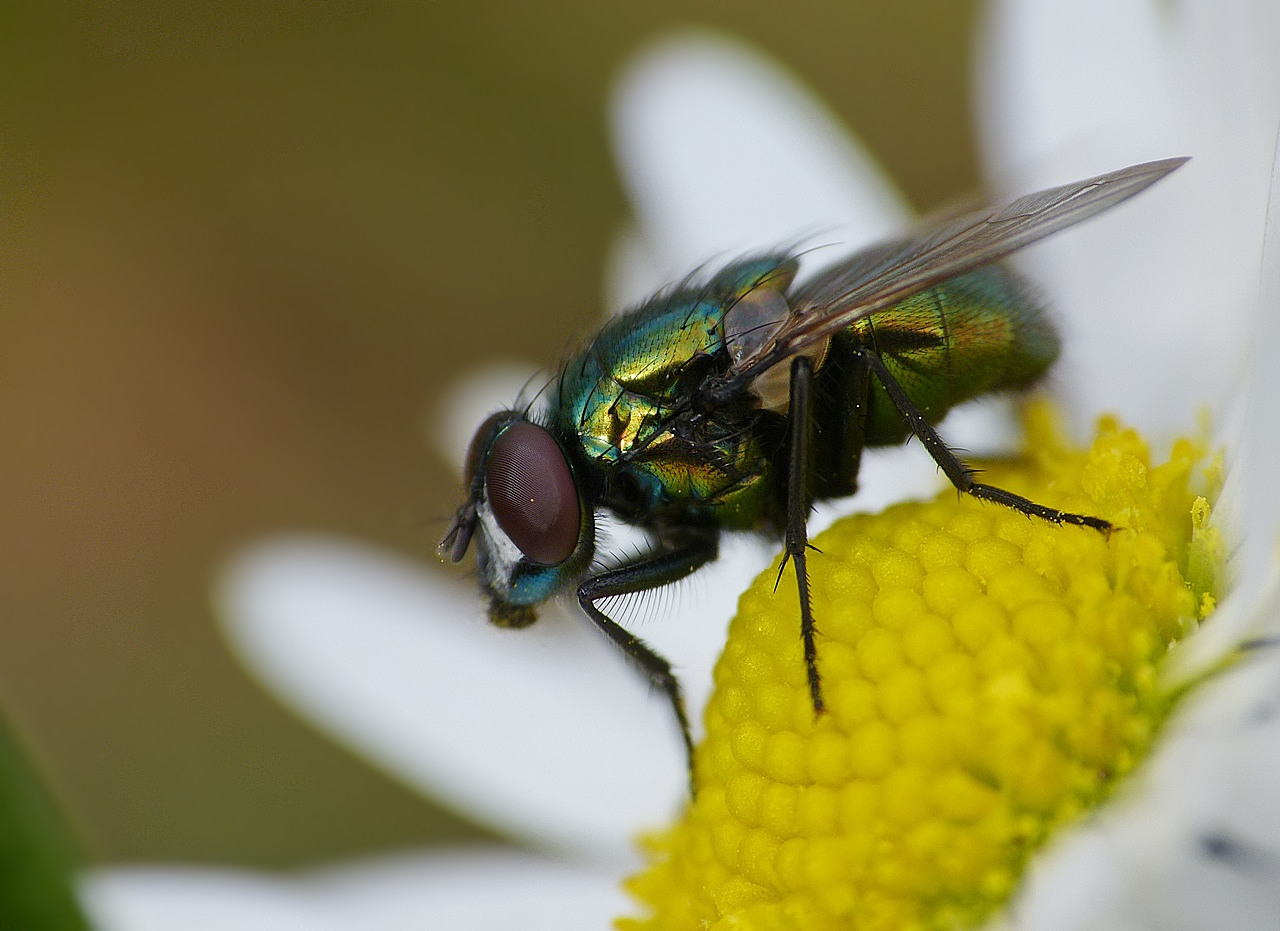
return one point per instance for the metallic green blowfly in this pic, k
(680, 417)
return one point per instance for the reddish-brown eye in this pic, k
(532, 493)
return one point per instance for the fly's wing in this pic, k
(885, 274)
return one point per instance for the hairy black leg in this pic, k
(651, 572)
(960, 474)
(799, 503)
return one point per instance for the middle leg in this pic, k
(799, 503)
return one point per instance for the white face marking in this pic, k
(503, 554)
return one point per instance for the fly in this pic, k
(736, 402)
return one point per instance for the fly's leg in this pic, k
(651, 572)
(961, 475)
(799, 502)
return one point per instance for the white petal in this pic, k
(1153, 298)
(1050, 81)
(1260, 441)
(1248, 510)
(162, 898)
(443, 892)
(544, 733)
(723, 152)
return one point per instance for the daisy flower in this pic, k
(547, 736)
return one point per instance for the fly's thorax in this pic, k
(626, 398)
(647, 362)
(618, 393)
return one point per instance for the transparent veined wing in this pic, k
(885, 274)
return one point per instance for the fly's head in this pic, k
(533, 530)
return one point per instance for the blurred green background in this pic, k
(245, 248)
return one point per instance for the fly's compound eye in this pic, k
(532, 493)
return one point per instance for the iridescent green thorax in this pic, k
(617, 398)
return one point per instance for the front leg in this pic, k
(652, 571)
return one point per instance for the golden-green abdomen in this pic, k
(975, 334)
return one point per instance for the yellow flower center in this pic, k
(988, 680)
